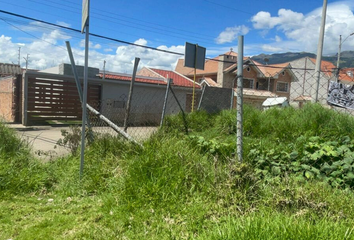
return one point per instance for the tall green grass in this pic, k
(175, 188)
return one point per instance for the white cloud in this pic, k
(49, 50)
(141, 41)
(302, 31)
(230, 34)
(91, 45)
(263, 20)
(269, 48)
(64, 24)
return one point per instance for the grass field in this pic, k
(295, 182)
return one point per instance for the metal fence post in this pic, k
(240, 99)
(127, 111)
(78, 86)
(201, 98)
(165, 102)
(320, 49)
(232, 94)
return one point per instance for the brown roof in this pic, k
(230, 53)
(302, 98)
(257, 93)
(211, 82)
(211, 66)
(271, 70)
(140, 79)
(231, 67)
(326, 67)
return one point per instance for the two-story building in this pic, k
(259, 81)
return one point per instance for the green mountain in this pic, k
(347, 58)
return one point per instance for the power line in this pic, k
(92, 34)
(114, 16)
(124, 42)
(228, 7)
(29, 34)
(131, 24)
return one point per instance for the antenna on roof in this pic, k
(19, 56)
(26, 59)
(266, 60)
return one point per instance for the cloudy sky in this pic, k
(268, 26)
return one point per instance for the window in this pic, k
(282, 87)
(262, 84)
(248, 69)
(248, 83)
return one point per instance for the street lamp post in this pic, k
(339, 51)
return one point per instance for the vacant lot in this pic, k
(295, 182)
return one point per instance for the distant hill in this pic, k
(346, 60)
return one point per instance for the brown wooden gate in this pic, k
(52, 99)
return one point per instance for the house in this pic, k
(259, 81)
(304, 90)
(346, 76)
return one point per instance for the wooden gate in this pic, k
(53, 99)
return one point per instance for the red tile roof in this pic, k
(140, 79)
(326, 67)
(271, 70)
(178, 79)
(346, 74)
(210, 67)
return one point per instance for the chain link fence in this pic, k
(147, 109)
(279, 87)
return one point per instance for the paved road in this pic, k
(43, 139)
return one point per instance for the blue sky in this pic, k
(268, 26)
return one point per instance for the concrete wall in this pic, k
(307, 82)
(147, 102)
(66, 69)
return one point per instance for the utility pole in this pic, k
(339, 52)
(19, 56)
(239, 107)
(320, 48)
(104, 69)
(26, 59)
